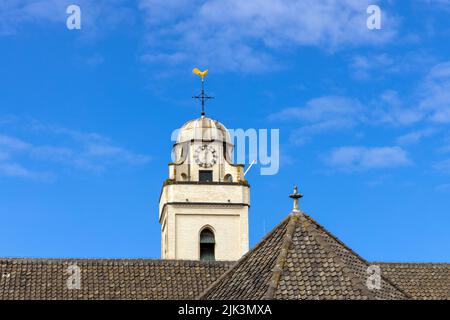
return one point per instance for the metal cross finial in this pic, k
(202, 96)
(296, 196)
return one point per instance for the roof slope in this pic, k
(299, 259)
(45, 279)
(420, 280)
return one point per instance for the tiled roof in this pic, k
(420, 280)
(299, 259)
(107, 279)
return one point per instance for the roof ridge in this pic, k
(109, 260)
(318, 225)
(413, 263)
(243, 258)
(335, 238)
(281, 259)
(355, 279)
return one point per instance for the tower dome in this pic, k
(205, 129)
(202, 130)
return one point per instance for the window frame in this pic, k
(205, 171)
(211, 229)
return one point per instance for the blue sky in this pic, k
(86, 118)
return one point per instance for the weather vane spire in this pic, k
(202, 96)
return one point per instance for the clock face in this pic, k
(205, 156)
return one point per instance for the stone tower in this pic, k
(203, 206)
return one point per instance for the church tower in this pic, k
(203, 207)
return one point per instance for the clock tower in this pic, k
(203, 207)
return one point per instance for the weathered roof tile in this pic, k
(43, 279)
(427, 281)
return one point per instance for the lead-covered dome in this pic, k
(203, 129)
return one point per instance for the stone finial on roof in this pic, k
(296, 196)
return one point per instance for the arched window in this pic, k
(228, 178)
(184, 177)
(207, 243)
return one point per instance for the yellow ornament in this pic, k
(200, 73)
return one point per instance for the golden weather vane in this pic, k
(202, 95)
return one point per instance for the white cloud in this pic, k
(435, 94)
(416, 136)
(443, 166)
(304, 134)
(320, 109)
(331, 113)
(98, 16)
(340, 113)
(430, 102)
(102, 150)
(85, 151)
(390, 109)
(16, 170)
(242, 36)
(233, 35)
(13, 143)
(376, 65)
(362, 158)
(321, 115)
(365, 67)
